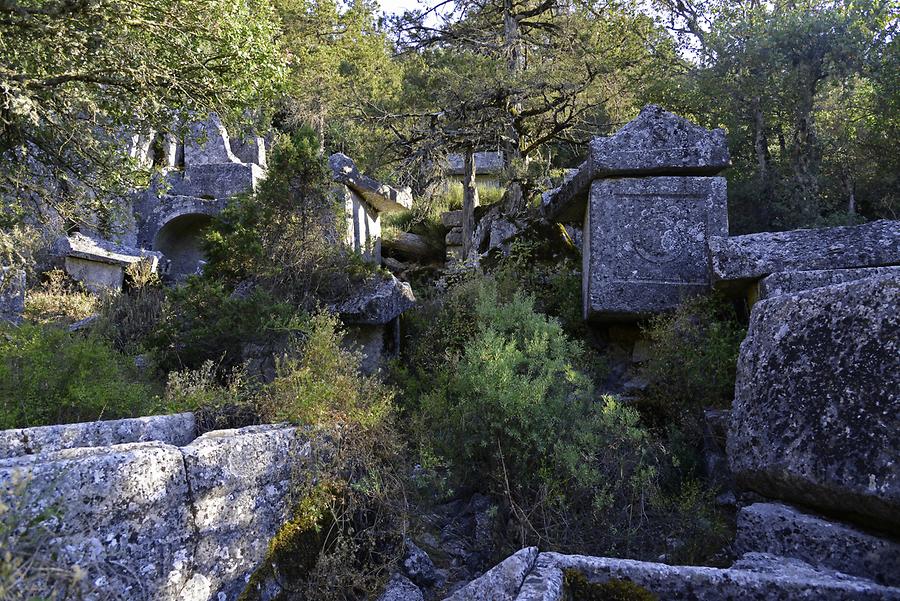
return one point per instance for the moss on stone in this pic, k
(578, 588)
(294, 550)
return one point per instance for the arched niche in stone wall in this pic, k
(181, 241)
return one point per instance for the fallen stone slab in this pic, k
(738, 260)
(178, 430)
(100, 264)
(502, 582)
(452, 219)
(645, 248)
(756, 577)
(377, 302)
(816, 409)
(787, 282)
(782, 530)
(656, 142)
(240, 482)
(382, 197)
(12, 295)
(122, 514)
(400, 588)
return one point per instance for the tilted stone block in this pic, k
(645, 245)
(788, 282)
(783, 530)
(817, 401)
(122, 514)
(382, 197)
(656, 142)
(742, 259)
(178, 430)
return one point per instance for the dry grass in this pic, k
(60, 300)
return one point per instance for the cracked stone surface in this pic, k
(817, 401)
(151, 521)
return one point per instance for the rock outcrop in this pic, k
(817, 400)
(785, 531)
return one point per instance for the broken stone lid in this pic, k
(381, 197)
(377, 302)
(657, 142)
(93, 249)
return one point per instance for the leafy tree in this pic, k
(519, 75)
(340, 61)
(76, 74)
(790, 82)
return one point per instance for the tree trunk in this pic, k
(470, 201)
(515, 62)
(763, 165)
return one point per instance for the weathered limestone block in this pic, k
(756, 577)
(787, 282)
(817, 400)
(400, 588)
(655, 143)
(502, 582)
(250, 149)
(121, 513)
(377, 302)
(382, 197)
(742, 259)
(221, 180)
(207, 143)
(177, 430)
(646, 243)
(240, 483)
(99, 264)
(12, 294)
(785, 531)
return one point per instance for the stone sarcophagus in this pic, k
(650, 203)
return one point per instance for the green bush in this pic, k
(692, 357)
(218, 402)
(287, 238)
(345, 532)
(511, 414)
(201, 321)
(51, 376)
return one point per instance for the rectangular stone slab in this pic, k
(645, 243)
(741, 259)
(788, 282)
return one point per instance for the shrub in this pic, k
(52, 376)
(202, 322)
(692, 357)
(512, 415)
(345, 531)
(287, 237)
(216, 404)
(59, 299)
(130, 318)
